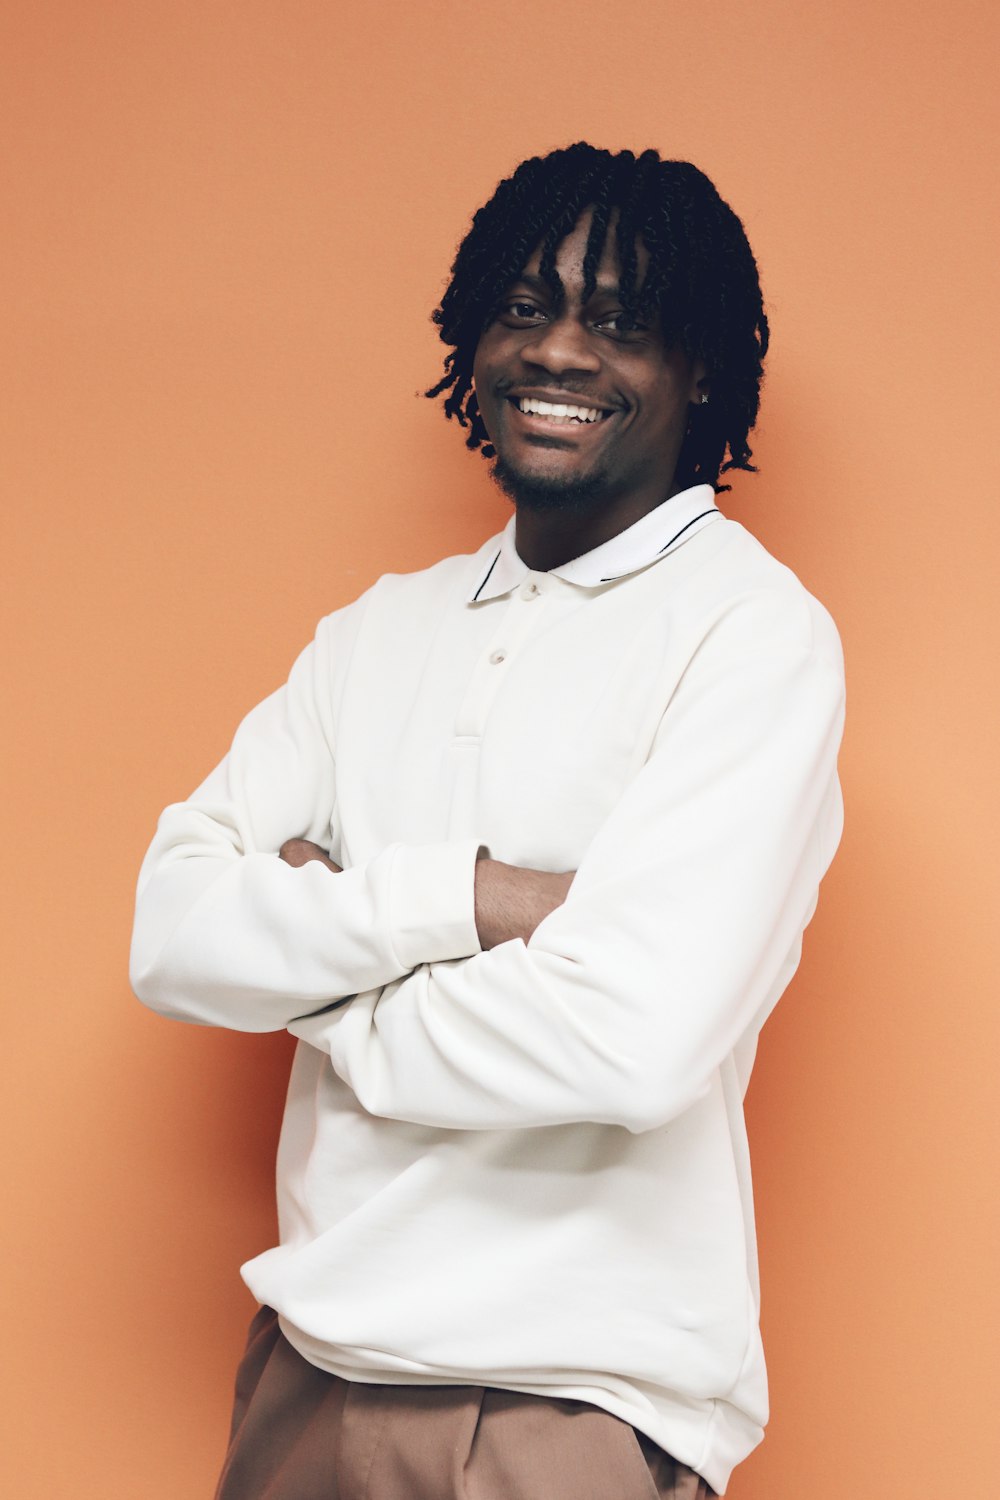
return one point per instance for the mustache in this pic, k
(580, 393)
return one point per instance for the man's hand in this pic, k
(511, 901)
(298, 852)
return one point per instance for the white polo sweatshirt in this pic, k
(523, 1168)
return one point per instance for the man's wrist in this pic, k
(511, 901)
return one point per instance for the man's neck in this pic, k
(547, 539)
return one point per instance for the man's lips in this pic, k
(562, 410)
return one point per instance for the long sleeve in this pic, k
(675, 938)
(227, 934)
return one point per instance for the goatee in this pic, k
(540, 495)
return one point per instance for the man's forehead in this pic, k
(571, 251)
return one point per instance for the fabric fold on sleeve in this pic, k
(432, 910)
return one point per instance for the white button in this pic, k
(497, 658)
(529, 589)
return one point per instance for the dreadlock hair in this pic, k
(701, 282)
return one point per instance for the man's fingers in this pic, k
(298, 852)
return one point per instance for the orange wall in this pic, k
(230, 224)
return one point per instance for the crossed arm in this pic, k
(510, 900)
(609, 995)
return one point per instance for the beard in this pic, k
(547, 495)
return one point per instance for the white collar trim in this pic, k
(651, 537)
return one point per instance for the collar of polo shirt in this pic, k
(648, 539)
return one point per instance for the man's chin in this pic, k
(540, 492)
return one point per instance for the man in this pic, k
(523, 853)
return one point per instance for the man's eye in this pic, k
(523, 312)
(622, 322)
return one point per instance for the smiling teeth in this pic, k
(532, 407)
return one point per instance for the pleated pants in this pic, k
(299, 1433)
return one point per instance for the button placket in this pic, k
(515, 626)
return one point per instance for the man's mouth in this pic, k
(559, 413)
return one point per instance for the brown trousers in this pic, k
(301, 1434)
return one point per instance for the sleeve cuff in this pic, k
(432, 904)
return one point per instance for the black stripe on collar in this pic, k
(712, 511)
(486, 580)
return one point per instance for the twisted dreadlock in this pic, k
(701, 280)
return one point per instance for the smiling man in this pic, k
(586, 405)
(523, 853)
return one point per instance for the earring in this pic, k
(704, 399)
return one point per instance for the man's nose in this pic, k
(561, 346)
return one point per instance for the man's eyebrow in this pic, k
(529, 279)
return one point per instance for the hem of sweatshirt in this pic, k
(710, 1436)
(432, 902)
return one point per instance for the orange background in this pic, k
(230, 224)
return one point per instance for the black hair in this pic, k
(701, 280)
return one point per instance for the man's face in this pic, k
(628, 394)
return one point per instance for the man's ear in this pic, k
(699, 383)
